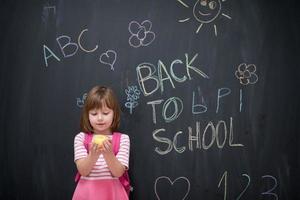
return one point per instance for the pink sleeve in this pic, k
(123, 154)
(79, 149)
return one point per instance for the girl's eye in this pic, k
(106, 113)
(93, 114)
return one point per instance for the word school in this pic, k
(213, 133)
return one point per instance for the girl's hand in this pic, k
(95, 150)
(107, 147)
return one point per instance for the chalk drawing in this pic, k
(246, 74)
(48, 11)
(224, 176)
(80, 45)
(205, 12)
(176, 181)
(80, 101)
(141, 34)
(108, 58)
(149, 72)
(248, 184)
(67, 47)
(49, 55)
(133, 94)
(201, 107)
(270, 191)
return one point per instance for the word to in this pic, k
(172, 108)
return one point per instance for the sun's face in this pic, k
(206, 11)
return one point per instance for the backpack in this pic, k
(124, 179)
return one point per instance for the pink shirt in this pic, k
(100, 170)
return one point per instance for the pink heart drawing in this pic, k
(109, 58)
(166, 180)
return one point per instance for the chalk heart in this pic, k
(180, 180)
(109, 58)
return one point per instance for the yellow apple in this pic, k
(99, 139)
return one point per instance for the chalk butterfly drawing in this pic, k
(205, 12)
(246, 74)
(141, 34)
(183, 181)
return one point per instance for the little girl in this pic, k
(99, 167)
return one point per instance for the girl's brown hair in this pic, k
(97, 98)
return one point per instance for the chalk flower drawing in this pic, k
(246, 74)
(80, 101)
(141, 34)
(133, 94)
(205, 12)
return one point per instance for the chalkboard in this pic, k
(208, 92)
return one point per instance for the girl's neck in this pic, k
(103, 133)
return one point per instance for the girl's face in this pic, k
(101, 120)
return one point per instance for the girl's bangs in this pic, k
(98, 102)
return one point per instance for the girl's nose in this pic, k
(100, 117)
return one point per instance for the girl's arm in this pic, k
(114, 165)
(85, 165)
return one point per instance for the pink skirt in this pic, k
(108, 189)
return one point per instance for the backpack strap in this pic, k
(124, 179)
(116, 142)
(87, 140)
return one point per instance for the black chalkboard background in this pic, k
(233, 79)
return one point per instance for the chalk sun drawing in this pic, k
(176, 181)
(205, 12)
(108, 58)
(133, 94)
(246, 74)
(141, 34)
